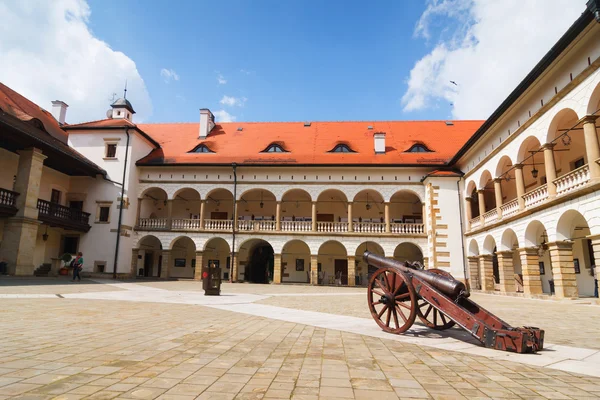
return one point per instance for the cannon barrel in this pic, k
(449, 286)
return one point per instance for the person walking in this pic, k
(77, 265)
(595, 273)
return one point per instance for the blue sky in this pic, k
(291, 60)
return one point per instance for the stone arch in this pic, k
(473, 248)
(333, 257)
(533, 234)
(184, 189)
(408, 251)
(533, 160)
(332, 203)
(217, 250)
(266, 192)
(470, 188)
(503, 165)
(186, 204)
(407, 191)
(149, 251)
(506, 173)
(291, 252)
(485, 177)
(296, 205)
(175, 240)
(154, 189)
(528, 144)
(257, 204)
(145, 239)
(218, 204)
(566, 118)
(368, 206)
(593, 106)
(213, 240)
(371, 246)
(182, 261)
(296, 190)
(489, 245)
(569, 223)
(487, 185)
(216, 190)
(256, 261)
(508, 240)
(405, 203)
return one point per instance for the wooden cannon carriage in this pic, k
(400, 292)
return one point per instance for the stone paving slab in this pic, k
(50, 285)
(97, 349)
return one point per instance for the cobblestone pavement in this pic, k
(97, 349)
(565, 323)
(190, 285)
(60, 285)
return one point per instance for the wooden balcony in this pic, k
(59, 216)
(8, 206)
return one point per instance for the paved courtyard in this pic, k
(166, 340)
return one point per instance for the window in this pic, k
(111, 150)
(70, 244)
(274, 148)
(77, 205)
(418, 148)
(341, 148)
(103, 212)
(201, 149)
(55, 196)
(578, 163)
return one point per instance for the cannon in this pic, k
(399, 292)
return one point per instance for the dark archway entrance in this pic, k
(260, 262)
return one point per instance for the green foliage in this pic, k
(66, 257)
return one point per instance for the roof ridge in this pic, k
(315, 122)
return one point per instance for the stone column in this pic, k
(481, 199)
(139, 211)
(166, 264)
(134, 263)
(386, 208)
(169, 213)
(234, 268)
(474, 272)
(20, 231)
(202, 205)
(596, 250)
(277, 268)
(506, 271)
(424, 216)
(350, 224)
(550, 168)
(351, 271)
(486, 269)
(530, 265)
(498, 194)
(425, 262)
(314, 216)
(314, 270)
(520, 182)
(592, 148)
(199, 262)
(468, 212)
(565, 280)
(278, 216)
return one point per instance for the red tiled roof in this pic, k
(102, 123)
(308, 145)
(22, 108)
(444, 173)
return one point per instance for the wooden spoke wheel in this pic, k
(392, 300)
(431, 316)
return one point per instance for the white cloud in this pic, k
(224, 116)
(245, 71)
(49, 53)
(169, 75)
(233, 101)
(490, 49)
(221, 79)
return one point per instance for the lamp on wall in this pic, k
(543, 245)
(368, 206)
(534, 171)
(566, 139)
(45, 235)
(261, 200)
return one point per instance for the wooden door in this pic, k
(342, 266)
(218, 215)
(324, 217)
(159, 265)
(148, 264)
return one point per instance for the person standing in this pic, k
(595, 273)
(77, 266)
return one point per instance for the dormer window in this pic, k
(274, 148)
(418, 148)
(201, 149)
(341, 148)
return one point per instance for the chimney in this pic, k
(207, 122)
(59, 111)
(379, 138)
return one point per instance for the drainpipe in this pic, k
(121, 207)
(234, 226)
(462, 233)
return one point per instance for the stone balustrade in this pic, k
(218, 224)
(536, 196)
(572, 180)
(296, 226)
(407, 229)
(510, 208)
(186, 224)
(369, 227)
(490, 216)
(332, 227)
(475, 222)
(152, 223)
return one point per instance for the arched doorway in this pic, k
(536, 237)
(150, 249)
(510, 244)
(368, 211)
(183, 258)
(333, 263)
(153, 209)
(405, 208)
(256, 205)
(295, 262)
(256, 261)
(532, 158)
(218, 252)
(186, 207)
(362, 268)
(408, 252)
(296, 211)
(332, 211)
(218, 211)
(489, 247)
(573, 227)
(487, 185)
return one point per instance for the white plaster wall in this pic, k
(9, 162)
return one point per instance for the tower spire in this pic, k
(125, 91)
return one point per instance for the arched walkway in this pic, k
(186, 205)
(296, 205)
(332, 263)
(218, 207)
(332, 211)
(405, 207)
(572, 232)
(256, 205)
(295, 262)
(568, 148)
(153, 209)
(362, 268)
(256, 261)
(407, 251)
(532, 159)
(474, 269)
(536, 239)
(150, 250)
(487, 186)
(182, 260)
(368, 211)
(218, 252)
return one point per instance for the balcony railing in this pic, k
(332, 226)
(296, 226)
(407, 229)
(572, 180)
(186, 224)
(218, 224)
(152, 223)
(64, 217)
(490, 216)
(536, 196)
(510, 208)
(369, 227)
(475, 222)
(250, 225)
(8, 202)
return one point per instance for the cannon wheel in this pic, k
(429, 315)
(392, 300)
